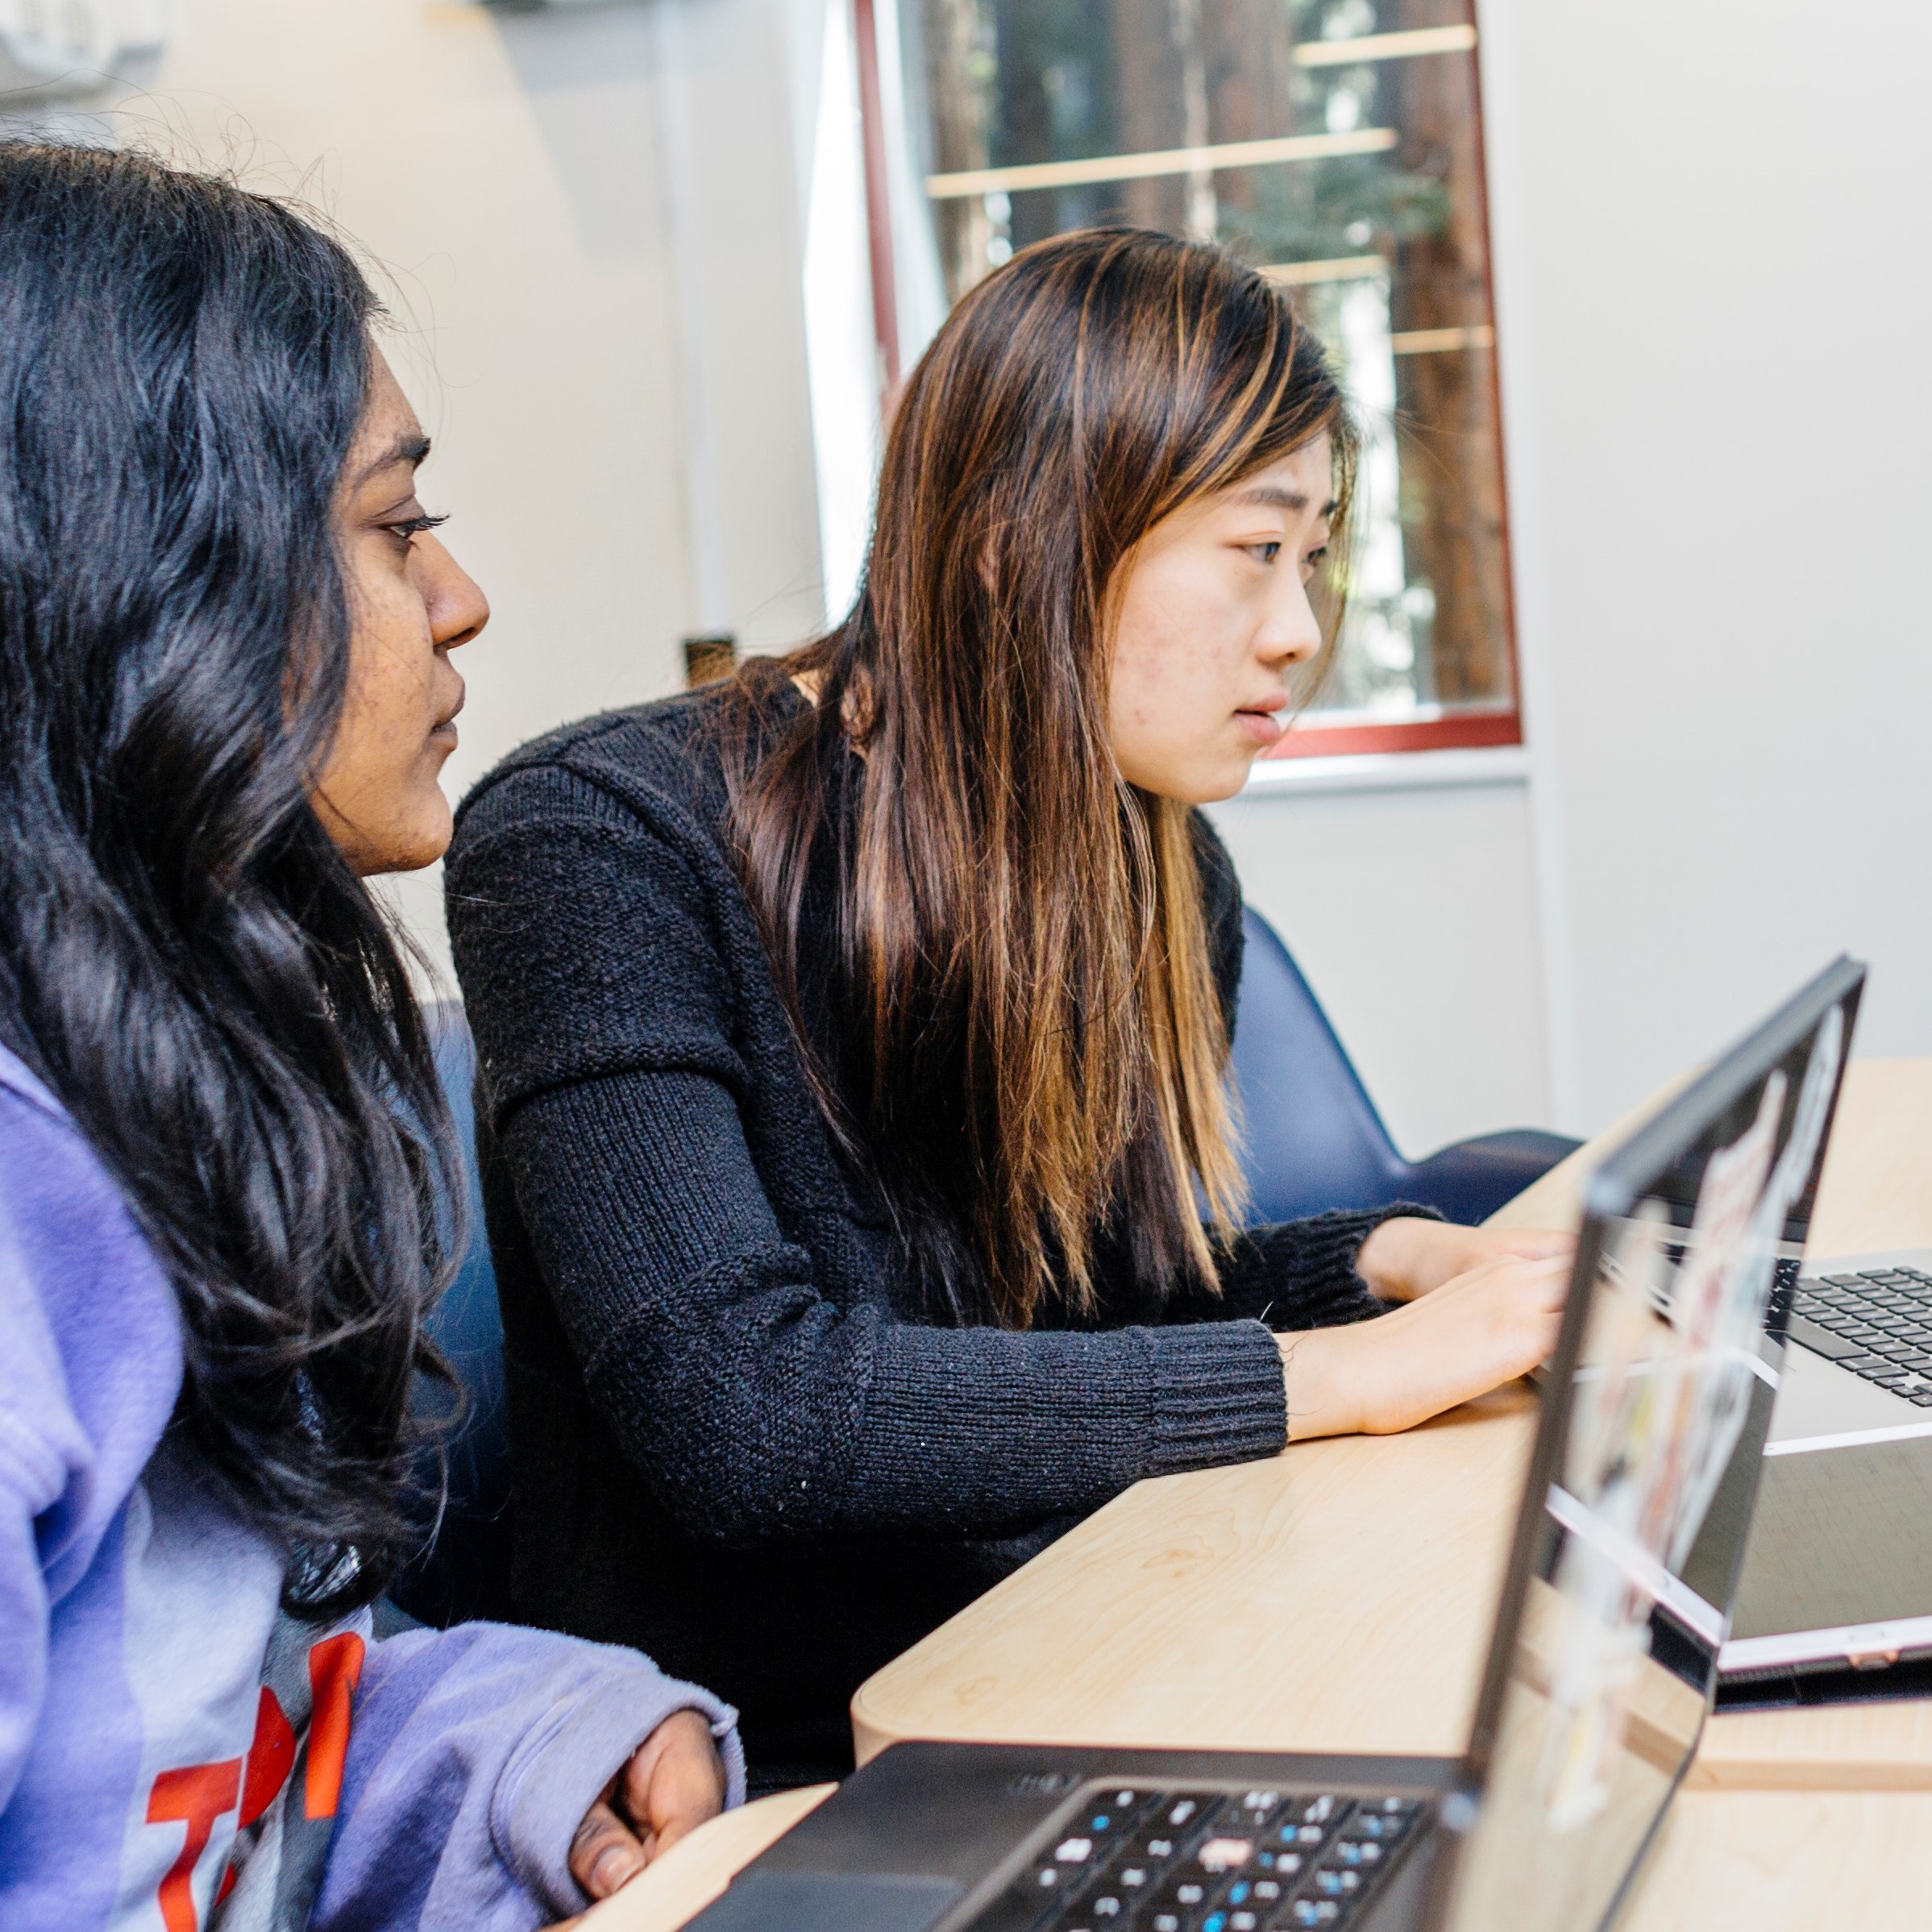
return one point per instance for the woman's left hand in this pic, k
(1408, 1257)
(674, 1780)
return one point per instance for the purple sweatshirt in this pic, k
(176, 1753)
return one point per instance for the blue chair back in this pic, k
(1314, 1139)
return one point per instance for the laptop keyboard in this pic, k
(1878, 1324)
(1206, 1861)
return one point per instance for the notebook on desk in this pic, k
(1603, 1656)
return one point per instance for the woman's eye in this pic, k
(413, 526)
(1315, 559)
(1265, 553)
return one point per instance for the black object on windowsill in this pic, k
(709, 659)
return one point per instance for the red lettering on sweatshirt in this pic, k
(195, 1795)
(334, 1669)
(271, 1758)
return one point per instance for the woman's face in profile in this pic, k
(380, 795)
(1213, 614)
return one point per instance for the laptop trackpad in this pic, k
(816, 1901)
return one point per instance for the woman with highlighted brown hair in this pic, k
(854, 1035)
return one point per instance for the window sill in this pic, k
(1390, 771)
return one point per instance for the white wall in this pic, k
(1713, 292)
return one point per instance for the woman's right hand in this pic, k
(1471, 1335)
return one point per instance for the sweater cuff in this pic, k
(559, 1774)
(1219, 1397)
(1327, 1292)
(1365, 1224)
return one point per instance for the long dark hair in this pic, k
(185, 958)
(1027, 1040)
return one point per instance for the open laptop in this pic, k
(1602, 1661)
(1836, 1591)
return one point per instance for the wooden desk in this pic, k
(1341, 1597)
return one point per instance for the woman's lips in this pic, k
(444, 726)
(1264, 727)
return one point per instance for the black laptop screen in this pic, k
(1654, 1423)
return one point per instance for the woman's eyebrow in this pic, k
(1275, 497)
(411, 450)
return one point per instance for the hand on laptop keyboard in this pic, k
(1462, 1339)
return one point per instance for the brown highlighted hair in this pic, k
(1028, 1049)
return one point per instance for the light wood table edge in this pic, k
(1795, 1772)
(695, 1872)
(869, 1740)
(1885, 1745)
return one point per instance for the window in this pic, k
(1335, 144)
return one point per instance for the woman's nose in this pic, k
(458, 607)
(1293, 633)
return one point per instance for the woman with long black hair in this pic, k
(860, 1174)
(225, 696)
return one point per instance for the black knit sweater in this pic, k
(736, 1443)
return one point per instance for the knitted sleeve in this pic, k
(674, 1188)
(1297, 1274)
